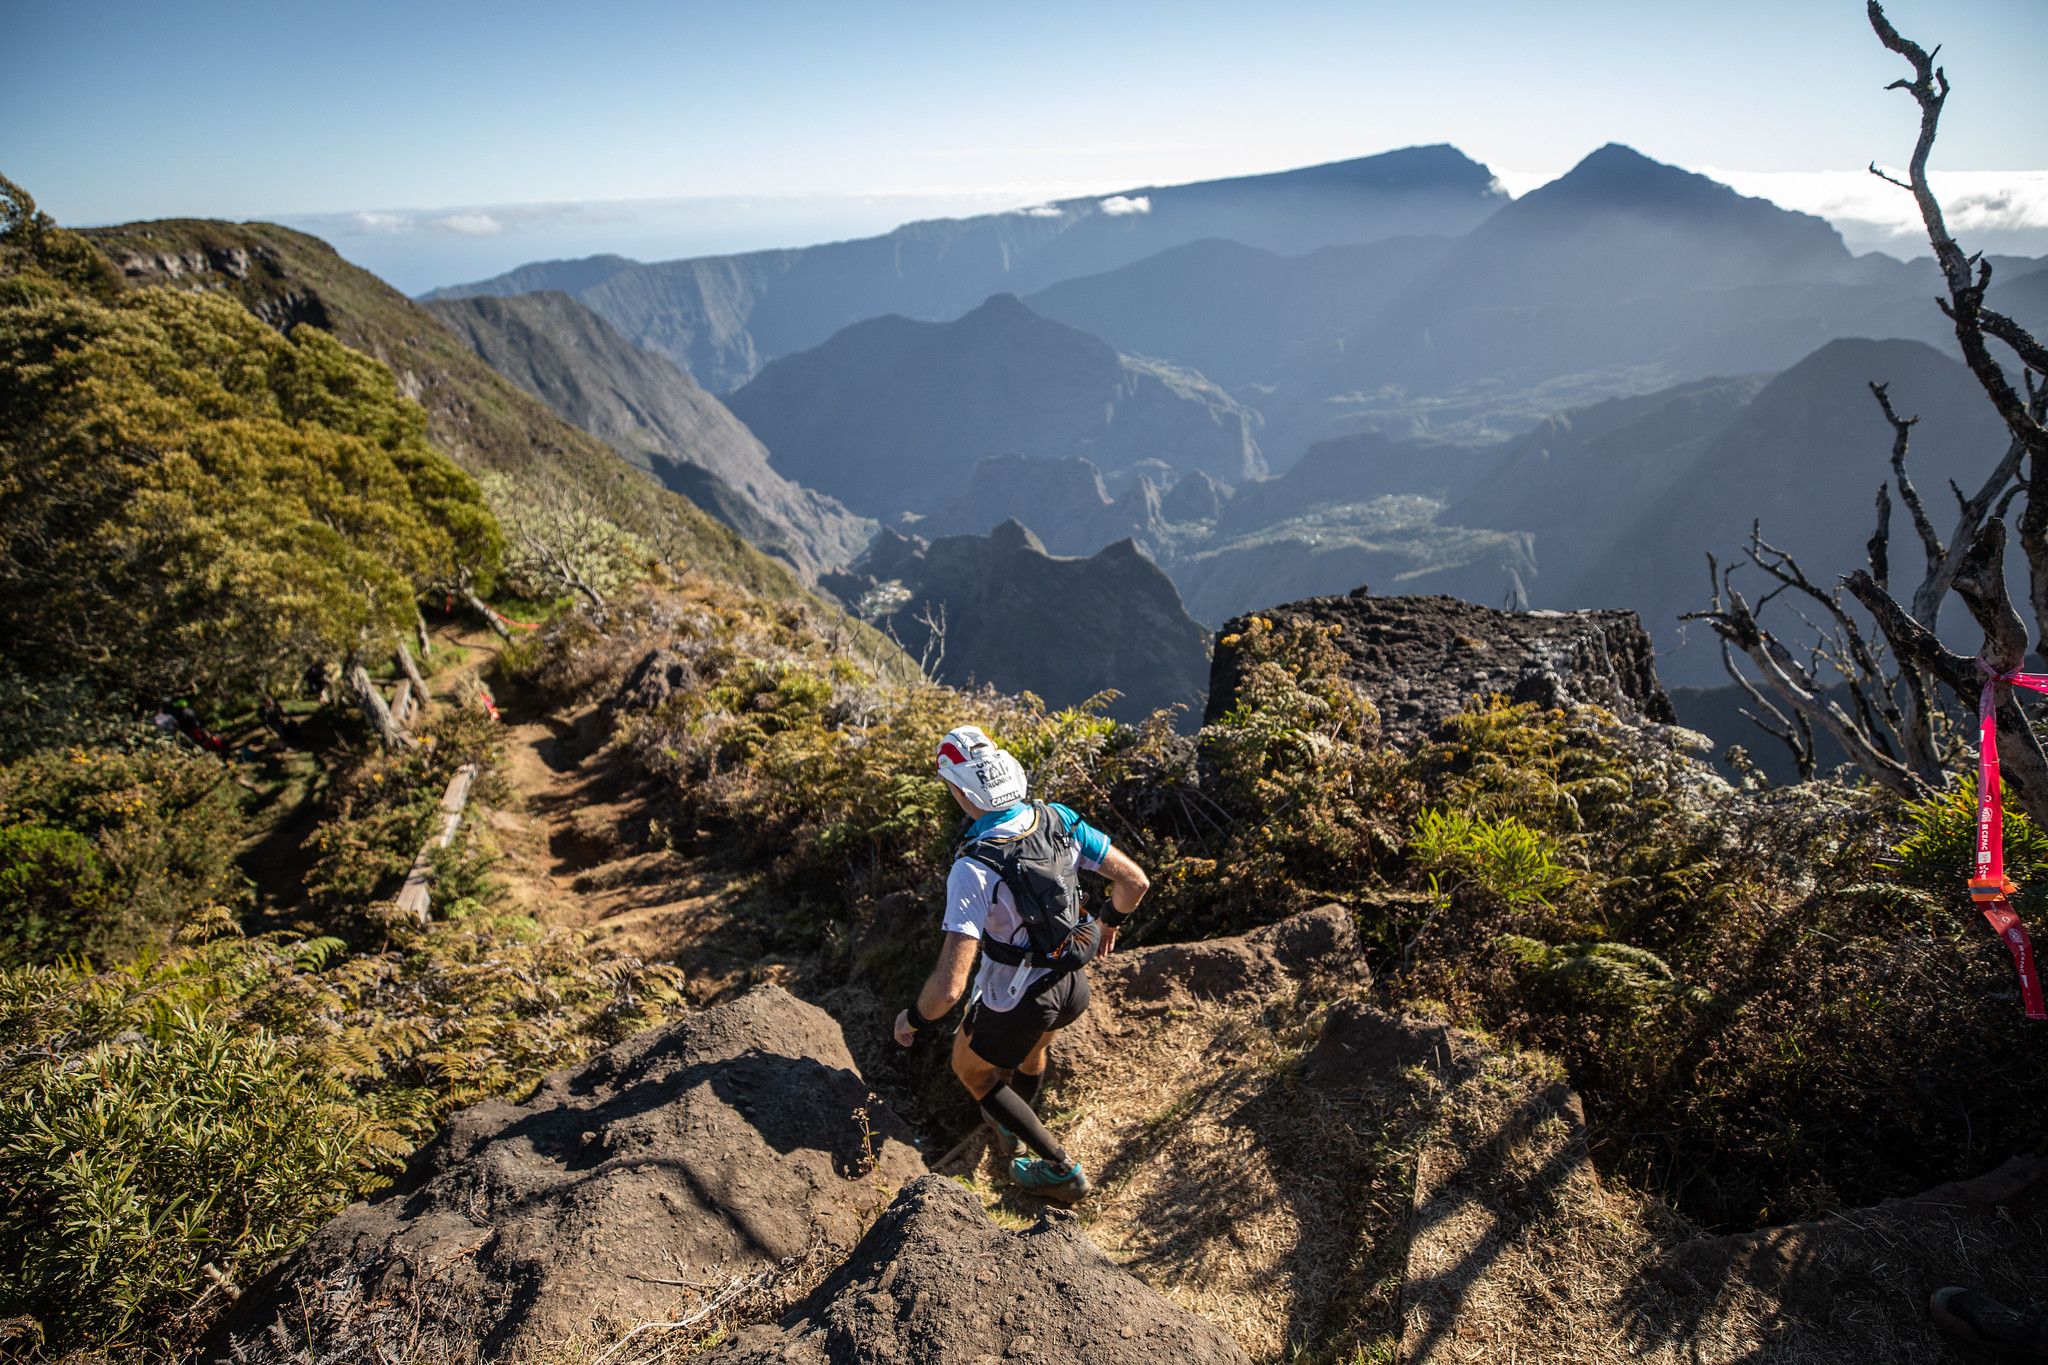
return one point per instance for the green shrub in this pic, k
(136, 1164)
(1940, 852)
(1501, 858)
(107, 851)
(213, 1105)
(50, 880)
(1596, 975)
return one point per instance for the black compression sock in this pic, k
(1026, 1084)
(1006, 1109)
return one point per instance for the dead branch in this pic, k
(1902, 434)
(1980, 582)
(1878, 547)
(371, 702)
(1734, 621)
(1794, 733)
(1858, 664)
(413, 896)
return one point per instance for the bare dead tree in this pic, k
(1968, 279)
(934, 652)
(1980, 582)
(1968, 563)
(1977, 574)
(1943, 560)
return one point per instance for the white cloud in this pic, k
(1872, 215)
(1117, 205)
(1043, 211)
(470, 224)
(381, 222)
(1519, 183)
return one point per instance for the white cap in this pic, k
(989, 777)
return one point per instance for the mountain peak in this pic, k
(1618, 176)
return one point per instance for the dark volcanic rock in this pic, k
(935, 1282)
(1420, 658)
(722, 1142)
(1363, 1045)
(1025, 620)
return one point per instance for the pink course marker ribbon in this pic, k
(1990, 887)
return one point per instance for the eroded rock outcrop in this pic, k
(998, 609)
(1420, 658)
(723, 1143)
(935, 1282)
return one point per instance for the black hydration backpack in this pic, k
(1040, 869)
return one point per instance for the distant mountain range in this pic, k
(1008, 613)
(648, 410)
(891, 415)
(1378, 372)
(1400, 293)
(723, 317)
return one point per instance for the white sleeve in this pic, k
(970, 887)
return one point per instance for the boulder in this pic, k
(1361, 1045)
(1136, 986)
(1859, 1279)
(1150, 981)
(935, 1282)
(722, 1143)
(1420, 658)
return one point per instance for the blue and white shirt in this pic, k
(980, 906)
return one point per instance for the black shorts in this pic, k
(1004, 1038)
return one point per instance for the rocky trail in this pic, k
(582, 847)
(1285, 1172)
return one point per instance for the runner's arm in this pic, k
(944, 987)
(1127, 886)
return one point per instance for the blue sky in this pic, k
(675, 128)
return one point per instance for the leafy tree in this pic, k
(39, 260)
(190, 500)
(105, 852)
(564, 540)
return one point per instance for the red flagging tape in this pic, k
(1990, 887)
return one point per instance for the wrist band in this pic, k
(1111, 916)
(918, 1023)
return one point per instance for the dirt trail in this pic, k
(585, 848)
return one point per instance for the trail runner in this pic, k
(1034, 959)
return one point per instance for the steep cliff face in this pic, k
(1421, 658)
(1025, 620)
(652, 413)
(892, 415)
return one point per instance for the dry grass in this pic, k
(1271, 1209)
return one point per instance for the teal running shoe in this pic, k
(1035, 1175)
(1012, 1146)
